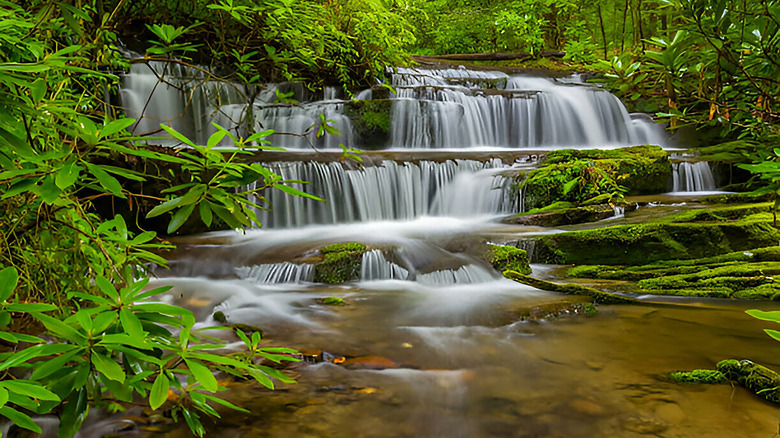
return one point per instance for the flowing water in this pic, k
(435, 342)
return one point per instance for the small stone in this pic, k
(645, 426)
(587, 407)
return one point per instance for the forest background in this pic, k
(76, 274)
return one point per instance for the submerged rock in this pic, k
(757, 378)
(564, 215)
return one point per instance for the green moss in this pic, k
(504, 257)
(340, 263)
(698, 376)
(642, 243)
(641, 169)
(370, 119)
(719, 214)
(756, 378)
(596, 295)
(549, 217)
(333, 301)
(339, 247)
(220, 317)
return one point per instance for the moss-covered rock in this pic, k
(698, 376)
(599, 175)
(596, 295)
(506, 257)
(340, 263)
(643, 243)
(333, 301)
(756, 378)
(556, 310)
(562, 216)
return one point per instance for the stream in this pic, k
(435, 342)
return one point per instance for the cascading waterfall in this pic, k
(375, 266)
(455, 108)
(449, 109)
(692, 177)
(389, 191)
(274, 273)
(466, 274)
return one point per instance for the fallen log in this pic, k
(495, 56)
(596, 295)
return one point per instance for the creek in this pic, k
(436, 342)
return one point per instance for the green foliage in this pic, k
(698, 376)
(78, 271)
(504, 257)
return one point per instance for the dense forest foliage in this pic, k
(66, 268)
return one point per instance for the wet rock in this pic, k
(333, 301)
(339, 263)
(587, 407)
(507, 257)
(564, 215)
(670, 413)
(370, 363)
(645, 425)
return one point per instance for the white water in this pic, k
(692, 177)
(284, 272)
(389, 191)
(454, 108)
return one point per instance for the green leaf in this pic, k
(202, 374)
(215, 138)
(180, 217)
(131, 324)
(33, 352)
(108, 367)
(107, 287)
(295, 192)
(48, 190)
(67, 175)
(177, 135)
(115, 126)
(3, 396)
(37, 90)
(30, 307)
(47, 367)
(60, 329)
(773, 316)
(30, 389)
(20, 419)
(773, 333)
(9, 278)
(205, 213)
(159, 392)
(107, 181)
(76, 410)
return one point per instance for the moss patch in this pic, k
(562, 216)
(757, 378)
(333, 301)
(370, 120)
(599, 175)
(698, 376)
(507, 257)
(340, 263)
(643, 243)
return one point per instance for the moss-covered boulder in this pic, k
(339, 263)
(507, 257)
(640, 244)
(582, 175)
(756, 378)
(553, 217)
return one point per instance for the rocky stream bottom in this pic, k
(487, 357)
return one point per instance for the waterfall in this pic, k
(452, 108)
(466, 274)
(447, 109)
(375, 266)
(273, 273)
(692, 177)
(388, 191)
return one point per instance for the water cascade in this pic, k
(455, 108)
(273, 273)
(375, 266)
(389, 191)
(692, 177)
